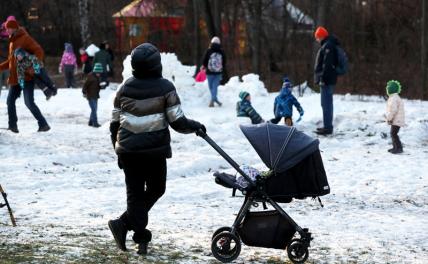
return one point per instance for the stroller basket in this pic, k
(266, 229)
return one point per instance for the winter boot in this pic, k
(119, 231)
(13, 129)
(90, 123)
(219, 103)
(324, 132)
(396, 151)
(142, 248)
(96, 125)
(211, 104)
(44, 128)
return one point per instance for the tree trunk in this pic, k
(84, 21)
(424, 48)
(197, 36)
(206, 8)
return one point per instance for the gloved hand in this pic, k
(199, 127)
(301, 112)
(21, 83)
(36, 68)
(389, 122)
(59, 69)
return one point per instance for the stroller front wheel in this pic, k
(297, 251)
(226, 246)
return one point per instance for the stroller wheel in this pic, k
(297, 251)
(221, 230)
(226, 247)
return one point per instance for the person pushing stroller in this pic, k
(283, 105)
(27, 62)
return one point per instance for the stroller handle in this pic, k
(220, 151)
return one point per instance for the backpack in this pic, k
(215, 62)
(342, 61)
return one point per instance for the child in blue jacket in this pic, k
(283, 105)
(245, 109)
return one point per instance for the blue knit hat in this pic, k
(20, 51)
(286, 82)
(243, 95)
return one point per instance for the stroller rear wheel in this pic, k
(221, 230)
(297, 251)
(226, 246)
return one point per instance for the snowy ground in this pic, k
(64, 185)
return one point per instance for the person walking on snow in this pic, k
(326, 76)
(144, 107)
(283, 105)
(245, 109)
(28, 62)
(395, 114)
(91, 91)
(68, 65)
(215, 63)
(18, 37)
(103, 57)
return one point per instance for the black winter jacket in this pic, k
(326, 61)
(143, 109)
(213, 49)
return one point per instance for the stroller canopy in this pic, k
(280, 147)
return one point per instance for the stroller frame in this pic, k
(297, 249)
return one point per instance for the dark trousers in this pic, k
(287, 120)
(44, 82)
(93, 103)
(145, 179)
(396, 143)
(69, 76)
(327, 106)
(14, 93)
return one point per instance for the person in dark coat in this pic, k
(91, 90)
(245, 109)
(326, 76)
(215, 63)
(145, 106)
(283, 105)
(111, 52)
(103, 57)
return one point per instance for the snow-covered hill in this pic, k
(64, 185)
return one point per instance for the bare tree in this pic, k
(424, 49)
(84, 21)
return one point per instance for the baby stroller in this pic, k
(296, 171)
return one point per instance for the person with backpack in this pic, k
(68, 65)
(330, 62)
(214, 63)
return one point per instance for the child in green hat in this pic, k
(91, 91)
(395, 114)
(245, 109)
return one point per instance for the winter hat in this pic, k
(393, 87)
(321, 33)
(286, 82)
(243, 95)
(12, 24)
(146, 60)
(20, 51)
(98, 68)
(68, 47)
(215, 40)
